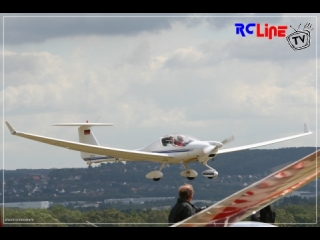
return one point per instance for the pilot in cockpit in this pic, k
(179, 142)
(171, 141)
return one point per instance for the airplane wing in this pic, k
(257, 196)
(114, 152)
(255, 145)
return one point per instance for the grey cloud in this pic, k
(25, 63)
(140, 55)
(177, 61)
(192, 21)
(40, 67)
(19, 30)
(249, 49)
(225, 20)
(275, 50)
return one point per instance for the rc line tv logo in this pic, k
(297, 40)
(267, 31)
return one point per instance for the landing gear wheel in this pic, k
(210, 173)
(154, 175)
(189, 173)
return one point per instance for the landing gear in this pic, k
(210, 173)
(189, 173)
(155, 175)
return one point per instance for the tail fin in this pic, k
(86, 136)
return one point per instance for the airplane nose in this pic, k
(207, 150)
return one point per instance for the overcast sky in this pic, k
(152, 75)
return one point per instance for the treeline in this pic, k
(60, 216)
(287, 215)
(298, 216)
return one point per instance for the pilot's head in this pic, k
(180, 138)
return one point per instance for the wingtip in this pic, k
(306, 128)
(11, 128)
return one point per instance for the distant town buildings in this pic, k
(136, 200)
(25, 205)
(303, 194)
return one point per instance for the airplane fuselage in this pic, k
(193, 150)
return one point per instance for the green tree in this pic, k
(66, 215)
(29, 218)
(282, 217)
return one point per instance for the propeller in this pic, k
(227, 140)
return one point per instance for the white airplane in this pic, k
(182, 149)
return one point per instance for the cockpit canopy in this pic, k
(176, 139)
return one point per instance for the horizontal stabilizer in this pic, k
(83, 124)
